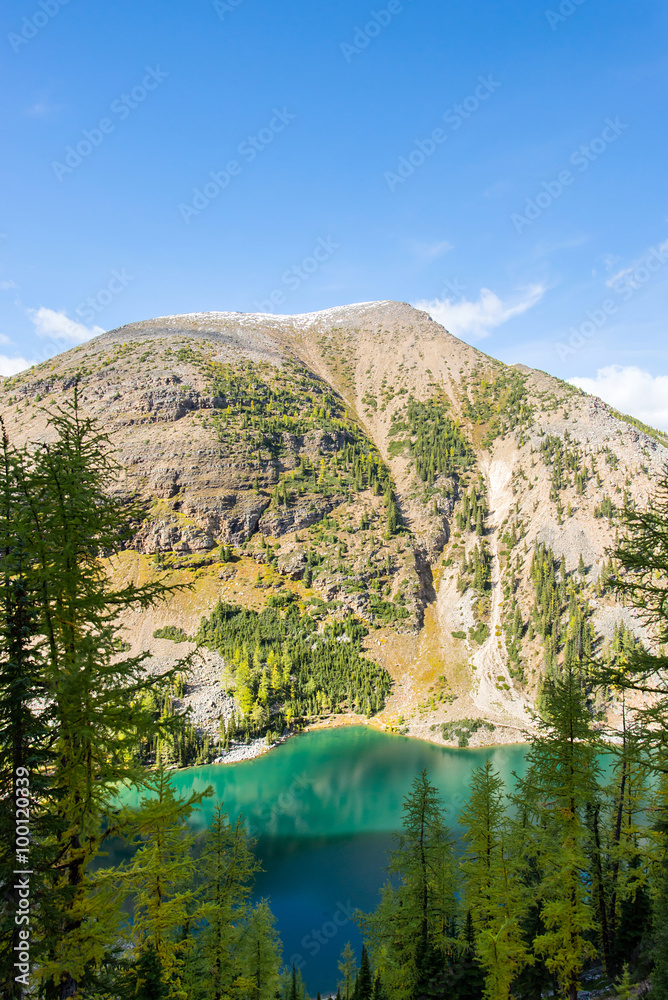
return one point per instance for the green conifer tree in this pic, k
(160, 877)
(629, 860)
(363, 983)
(560, 787)
(71, 524)
(642, 555)
(293, 985)
(492, 887)
(146, 979)
(348, 970)
(226, 868)
(25, 720)
(258, 955)
(411, 932)
(392, 521)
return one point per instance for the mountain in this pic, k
(361, 460)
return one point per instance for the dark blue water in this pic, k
(324, 806)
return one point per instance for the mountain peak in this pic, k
(365, 461)
(211, 324)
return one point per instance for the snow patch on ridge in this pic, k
(351, 311)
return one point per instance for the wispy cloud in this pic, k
(631, 390)
(430, 251)
(6, 285)
(647, 259)
(57, 325)
(39, 109)
(476, 320)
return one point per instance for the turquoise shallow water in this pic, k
(324, 806)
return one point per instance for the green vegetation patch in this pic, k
(501, 402)
(568, 463)
(172, 632)
(286, 670)
(476, 571)
(561, 614)
(480, 633)
(463, 729)
(387, 611)
(435, 441)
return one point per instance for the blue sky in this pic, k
(500, 163)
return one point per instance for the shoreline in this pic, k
(240, 752)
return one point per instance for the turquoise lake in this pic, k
(324, 806)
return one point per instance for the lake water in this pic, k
(323, 807)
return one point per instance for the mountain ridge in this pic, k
(292, 439)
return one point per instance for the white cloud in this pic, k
(58, 326)
(12, 366)
(631, 390)
(647, 260)
(6, 285)
(476, 319)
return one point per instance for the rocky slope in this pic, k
(370, 462)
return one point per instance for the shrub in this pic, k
(172, 632)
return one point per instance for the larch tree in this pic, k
(560, 787)
(258, 956)
(160, 878)
(74, 526)
(642, 579)
(492, 888)
(226, 867)
(411, 933)
(348, 970)
(642, 556)
(26, 734)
